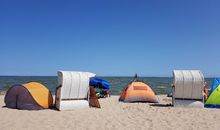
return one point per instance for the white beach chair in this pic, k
(73, 90)
(188, 88)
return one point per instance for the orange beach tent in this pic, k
(138, 92)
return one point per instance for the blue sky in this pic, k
(109, 37)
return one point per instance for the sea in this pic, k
(160, 85)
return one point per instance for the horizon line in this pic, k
(96, 76)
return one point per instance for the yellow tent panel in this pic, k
(40, 94)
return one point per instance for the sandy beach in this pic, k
(113, 115)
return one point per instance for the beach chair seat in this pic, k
(73, 90)
(188, 86)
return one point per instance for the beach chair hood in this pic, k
(189, 84)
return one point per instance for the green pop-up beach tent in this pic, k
(213, 100)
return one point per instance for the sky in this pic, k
(109, 37)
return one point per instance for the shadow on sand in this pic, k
(161, 105)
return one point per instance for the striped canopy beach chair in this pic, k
(188, 86)
(73, 90)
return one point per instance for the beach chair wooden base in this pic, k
(188, 103)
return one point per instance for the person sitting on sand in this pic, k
(206, 91)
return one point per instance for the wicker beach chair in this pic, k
(188, 86)
(73, 90)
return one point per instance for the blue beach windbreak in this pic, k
(215, 84)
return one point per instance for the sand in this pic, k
(113, 115)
